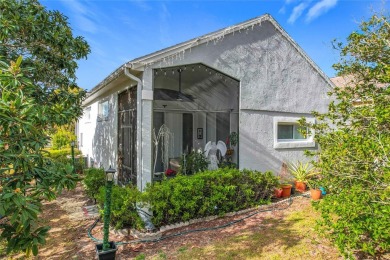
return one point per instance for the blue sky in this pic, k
(119, 31)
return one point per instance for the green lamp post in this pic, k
(108, 249)
(72, 146)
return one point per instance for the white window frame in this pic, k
(101, 116)
(293, 143)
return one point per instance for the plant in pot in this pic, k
(315, 191)
(302, 172)
(278, 192)
(285, 179)
(107, 250)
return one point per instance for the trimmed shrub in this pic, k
(123, 206)
(208, 193)
(93, 180)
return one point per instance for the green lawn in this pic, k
(289, 237)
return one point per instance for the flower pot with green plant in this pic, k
(302, 173)
(315, 191)
(285, 179)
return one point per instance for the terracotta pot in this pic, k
(286, 190)
(278, 193)
(315, 194)
(300, 186)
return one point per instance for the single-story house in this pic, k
(252, 79)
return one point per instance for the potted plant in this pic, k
(278, 192)
(170, 173)
(315, 191)
(302, 172)
(286, 190)
(285, 181)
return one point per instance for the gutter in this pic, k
(139, 122)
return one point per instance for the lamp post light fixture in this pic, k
(108, 246)
(107, 250)
(72, 144)
(110, 174)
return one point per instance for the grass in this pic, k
(3, 249)
(292, 237)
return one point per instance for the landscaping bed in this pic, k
(287, 234)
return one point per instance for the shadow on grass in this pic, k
(270, 235)
(273, 236)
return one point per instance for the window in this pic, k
(81, 140)
(287, 133)
(87, 114)
(103, 110)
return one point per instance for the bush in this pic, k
(354, 138)
(93, 180)
(62, 138)
(123, 206)
(208, 193)
(64, 156)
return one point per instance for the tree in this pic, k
(354, 139)
(37, 95)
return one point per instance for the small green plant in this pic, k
(314, 184)
(140, 257)
(233, 138)
(162, 255)
(93, 180)
(123, 206)
(182, 249)
(301, 171)
(192, 163)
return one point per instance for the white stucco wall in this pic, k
(275, 80)
(100, 138)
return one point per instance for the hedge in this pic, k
(207, 193)
(123, 206)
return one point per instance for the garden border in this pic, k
(152, 236)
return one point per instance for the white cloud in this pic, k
(320, 8)
(282, 10)
(289, 1)
(141, 4)
(165, 33)
(84, 16)
(297, 12)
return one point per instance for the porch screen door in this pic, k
(127, 137)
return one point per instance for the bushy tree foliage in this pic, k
(37, 95)
(62, 139)
(354, 138)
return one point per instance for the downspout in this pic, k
(139, 126)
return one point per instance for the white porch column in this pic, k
(146, 95)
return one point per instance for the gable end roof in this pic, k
(140, 62)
